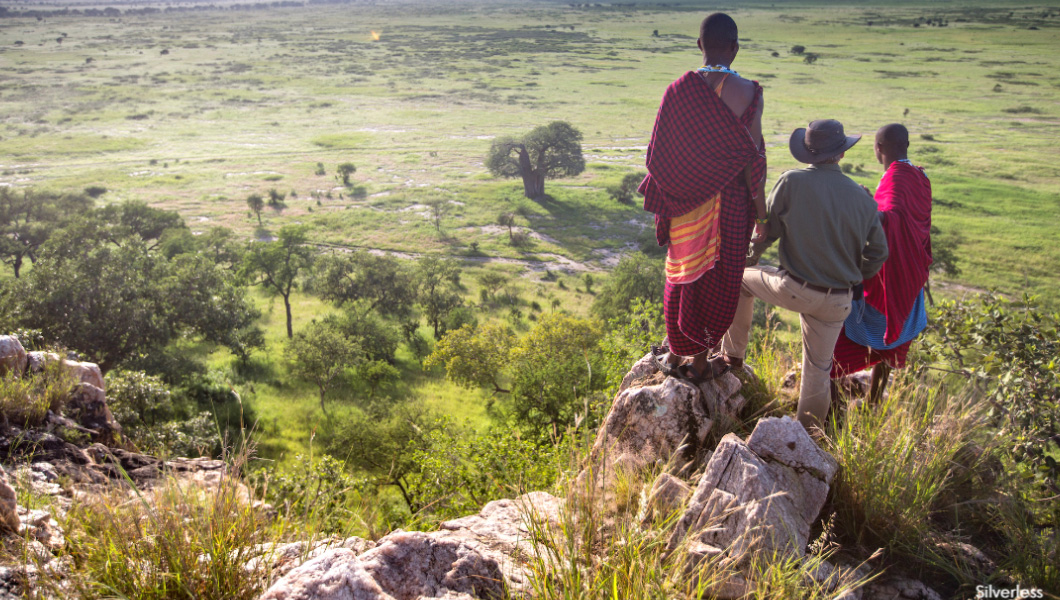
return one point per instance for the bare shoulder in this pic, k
(738, 94)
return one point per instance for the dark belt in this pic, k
(816, 288)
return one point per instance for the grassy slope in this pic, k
(239, 105)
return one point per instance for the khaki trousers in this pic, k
(822, 315)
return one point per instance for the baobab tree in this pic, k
(546, 152)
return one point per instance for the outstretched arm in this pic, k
(758, 188)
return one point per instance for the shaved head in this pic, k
(893, 137)
(892, 143)
(718, 31)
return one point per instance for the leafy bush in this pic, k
(320, 494)
(625, 191)
(1009, 351)
(157, 421)
(797, 50)
(629, 338)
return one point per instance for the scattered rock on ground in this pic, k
(898, 588)
(479, 556)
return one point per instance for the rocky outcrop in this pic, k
(656, 419)
(87, 405)
(759, 496)
(479, 556)
(12, 355)
(9, 518)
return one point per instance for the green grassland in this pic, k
(194, 111)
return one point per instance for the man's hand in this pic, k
(759, 234)
(867, 190)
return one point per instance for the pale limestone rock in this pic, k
(645, 367)
(414, 564)
(747, 503)
(668, 494)
(86, 372)
(12, 355)
(478, 556)
(8, 505)
(335, 575)
(41, 526)
(501, 532)
(647, 425)
(899, 588)
(280, 559)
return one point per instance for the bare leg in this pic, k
(881, 373)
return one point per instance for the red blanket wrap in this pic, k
(904, 199)
(699, 148)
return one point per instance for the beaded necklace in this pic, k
(905, 160)
(717, 69)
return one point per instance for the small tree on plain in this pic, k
(439, 208)
(345, 170)
(256, 204)
(810, 58)
(507, 220)
(320, 353)
(798, 50)
(546, 152)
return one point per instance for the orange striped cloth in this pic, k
(694, 242)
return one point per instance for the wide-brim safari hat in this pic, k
(822, 140)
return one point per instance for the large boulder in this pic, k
(86, 372)
(656, 419)
(12, 355)
(9, 518)
(479, 556)
(759, 496)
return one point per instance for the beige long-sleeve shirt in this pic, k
(829, 231)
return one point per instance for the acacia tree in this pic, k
(257, 204)
(345, 170)
(365, 283)
(439, 281)
(507, 219)
(546, 152)
(28, 218)
(277, 265)
(321, 353)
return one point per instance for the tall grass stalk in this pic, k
(897, 463)
(177, 540)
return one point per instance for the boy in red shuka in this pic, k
(882, 325)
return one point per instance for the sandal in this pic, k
(692, 374)
(661, 354)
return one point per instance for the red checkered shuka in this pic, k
(699, 148)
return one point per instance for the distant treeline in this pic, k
(110, 11)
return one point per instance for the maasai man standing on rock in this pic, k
(706, 185)
(880, 328)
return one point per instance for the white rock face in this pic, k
(12, 355)
(667, 495)
(899, 588)
(653, 417)
(37, 359)
(86, 372)
(759, 496)
(479, 556)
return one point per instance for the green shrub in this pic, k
(1010, 351)
(26, 401)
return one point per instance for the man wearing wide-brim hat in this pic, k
(830, 241)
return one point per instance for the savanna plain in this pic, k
(193, 108)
